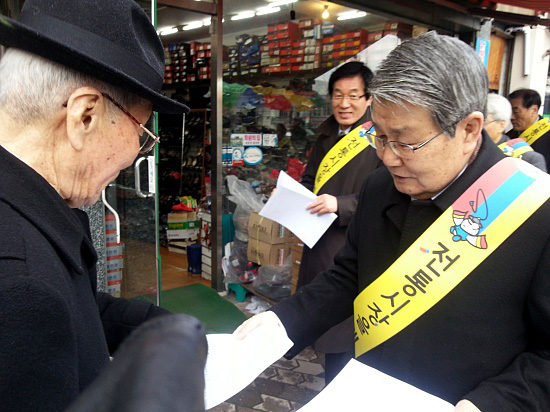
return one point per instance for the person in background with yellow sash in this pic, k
(528, 124)
(499, 112)
(339, 194)
(436, 212)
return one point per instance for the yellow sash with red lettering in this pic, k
(473, 227)
(340, 154)
(535, 131)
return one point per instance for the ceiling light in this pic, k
(167, 30)
(325, 13)
(281, 2)
(193, 25)
(267, 10)
(244, 15)
(351, 15)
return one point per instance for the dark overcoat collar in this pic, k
(29, 194)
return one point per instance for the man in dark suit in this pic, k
(484, 344)
(348, 89)
(526, 104)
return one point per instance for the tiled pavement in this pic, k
(285, 386)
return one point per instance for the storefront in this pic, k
(248, 70)
(271, 103)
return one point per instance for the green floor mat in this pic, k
(216, 314)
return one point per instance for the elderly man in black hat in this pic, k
(78, 82)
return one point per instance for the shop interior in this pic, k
(271, 111)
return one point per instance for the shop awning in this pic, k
(542, 6)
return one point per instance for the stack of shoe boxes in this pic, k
(341, 47)
(206, 242)
(401, 30)
(114, 257)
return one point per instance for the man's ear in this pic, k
(471, 127)
(534, 111)
(502, 125)
(85, 108)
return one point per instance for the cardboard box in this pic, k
(374, 36)
(191, 224)
(264, 253)
(402, 27)
(418, 30)
(182, 234)
(297, 249)
(294, 279)
(267, 230)
(402, 36)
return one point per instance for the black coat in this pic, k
(56, 331)
(345, 185)
(542, 145)
(488, 340)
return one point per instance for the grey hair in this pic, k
(499, 107)
(439, 73)
(32, 87)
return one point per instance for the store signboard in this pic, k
(238, 156)
(236, 139)
(270, 140)
(482, 50)
(254, 139)
(253, 156)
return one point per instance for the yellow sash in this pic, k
(449, 250)
(515, 147)
(340, 154)
(532, 134)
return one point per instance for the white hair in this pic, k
(32, 87)
(439, 73)
(499, 107)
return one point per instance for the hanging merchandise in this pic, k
(277, 102)
(232, 92)
(249, 99)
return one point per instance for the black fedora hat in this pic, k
(110, 40)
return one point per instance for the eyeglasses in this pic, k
(353, 97)
(402, 150)
(148, 139)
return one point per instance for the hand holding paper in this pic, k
(232, 363)
(324, 204)
(288, 206)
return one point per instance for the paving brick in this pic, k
(289, 377)
(309, 367)
(273, 404)
(268, 373)
(313, 382)
(286, 364)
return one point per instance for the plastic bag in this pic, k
(236, 267)
(247, 201)
(274, 281)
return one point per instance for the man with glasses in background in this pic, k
(447, 256)
(78, 83)
(338, 190)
